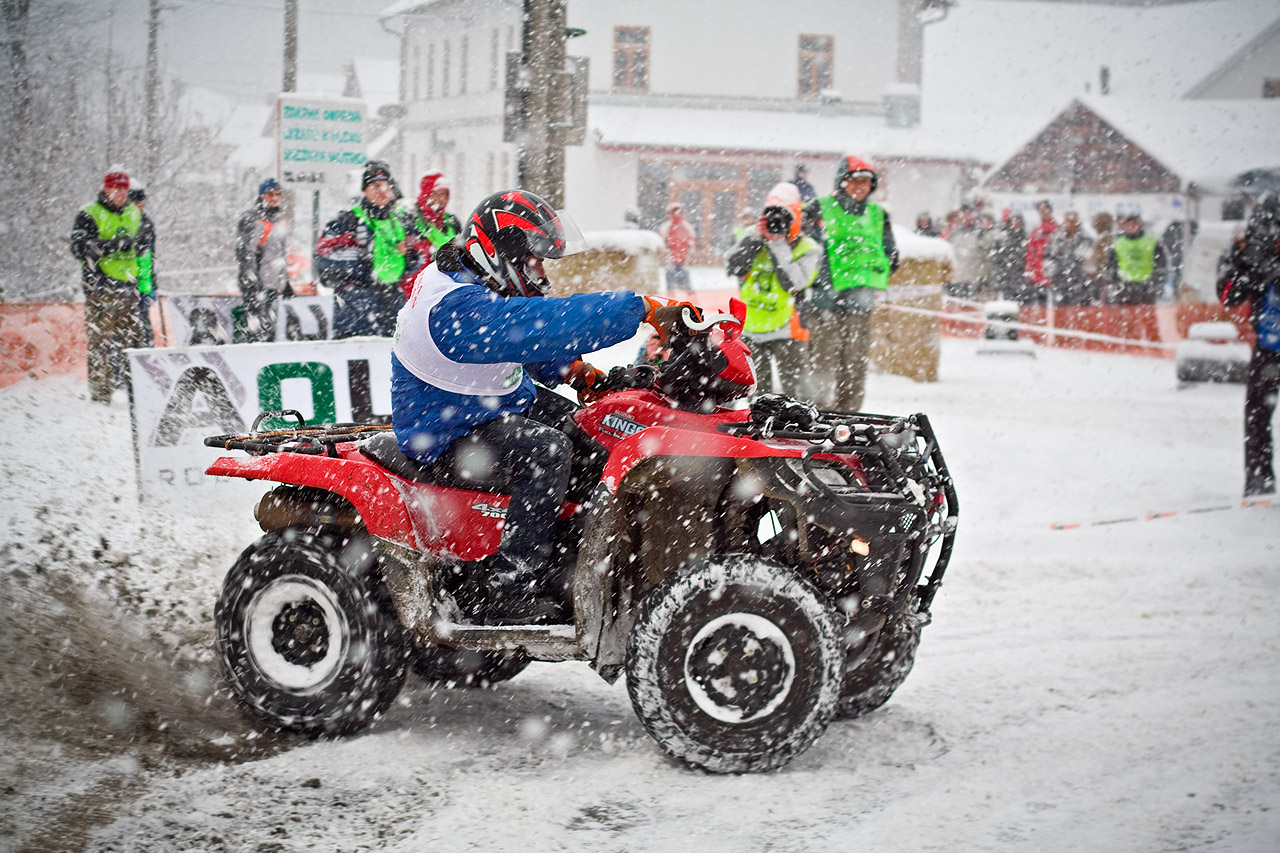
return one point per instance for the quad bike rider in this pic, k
(754, 570)
(470, 342)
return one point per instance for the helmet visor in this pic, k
(571, 241)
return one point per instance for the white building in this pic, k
(706, 104)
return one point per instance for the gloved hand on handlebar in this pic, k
(667, 316)
(582, 377)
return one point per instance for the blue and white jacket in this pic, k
(463, 355)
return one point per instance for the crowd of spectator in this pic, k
(1111, 261)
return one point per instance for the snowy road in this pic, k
(1107, 688)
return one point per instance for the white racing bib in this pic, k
(419, 354)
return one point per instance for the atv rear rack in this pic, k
(310, 441)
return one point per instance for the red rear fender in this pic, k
(369, 488)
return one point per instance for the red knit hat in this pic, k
(115, 180)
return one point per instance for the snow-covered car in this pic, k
(1212, 352)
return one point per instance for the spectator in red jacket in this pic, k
(680, 239)
(1037, 242)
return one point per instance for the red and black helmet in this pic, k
(853, 166)
(510, 226)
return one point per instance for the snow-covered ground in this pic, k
(1104, 688)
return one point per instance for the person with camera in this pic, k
(774, 266)
(106, 239)
(1249, 273)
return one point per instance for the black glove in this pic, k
(122, 242)
(626, 378)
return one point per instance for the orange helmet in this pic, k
(853, 166)
(785, 197)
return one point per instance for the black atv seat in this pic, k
(383, 449)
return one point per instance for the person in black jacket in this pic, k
(363, 254)
(1249, 272)
(261, 256)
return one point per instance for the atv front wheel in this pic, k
(734, 666)
(869, 684)
(308, 643)
(465, 667)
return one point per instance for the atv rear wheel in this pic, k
(308, 642)
(869, 684)
(466, 668)
(734, 666)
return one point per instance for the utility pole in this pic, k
(15, 19)
(541, 153)
(153, 91)
(290, 46)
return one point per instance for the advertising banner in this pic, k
(215, 320)
(179, 396)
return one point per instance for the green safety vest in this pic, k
(433, 235)
(1135, 257)
(388, 261)
(118, 266)
(855, 246)
(769, 305)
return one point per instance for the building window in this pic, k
(464, 56)
(417, 66)
(1271, 87)
(631, 59)
(494, 64)
(817, 58)
(444, 71)
(431, 71)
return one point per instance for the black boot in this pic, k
(515, 596)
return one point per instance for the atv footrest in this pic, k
(544, 642)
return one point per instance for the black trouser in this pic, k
(260, 305)
(1261, 388)
(532, 459)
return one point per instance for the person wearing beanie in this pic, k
(106, 238)
(261, 258)
(363, 254)
(433, 225)
(859, 255)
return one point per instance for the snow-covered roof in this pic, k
(379, 81)
(1207, 142)
(237, 124)
(771, 131)
(1253, 46)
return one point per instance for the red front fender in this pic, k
(666, 441)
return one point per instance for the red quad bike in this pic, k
(755, 571)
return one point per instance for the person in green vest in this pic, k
(363, 254)
(1136, 272)
(433, 225)
(146, 267)
(774, 264)
(859, 255)
(105, 240)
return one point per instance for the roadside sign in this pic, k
(319, 140)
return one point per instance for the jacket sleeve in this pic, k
(739, 261)
(85, 245)
(473, 325)
(247, 250)
(890, 244)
